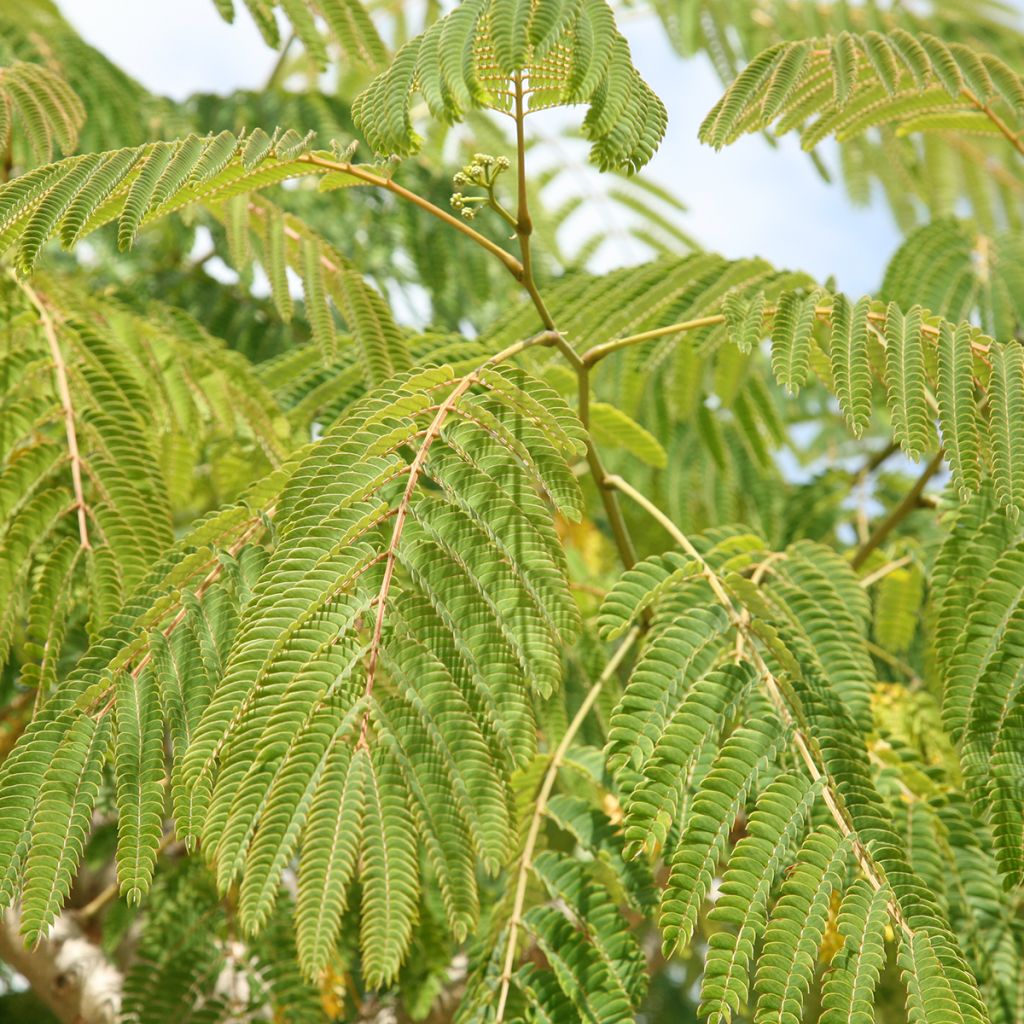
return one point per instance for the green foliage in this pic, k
(133, 186)
(507, 55)
(348, 25)
(38, 106)
(930, 125)
(333, 288)
(147, 398)
(793, 620)
(852, 83)
(188, 959)
(960, 273)
(349, 671)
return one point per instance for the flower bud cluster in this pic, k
(482, 172)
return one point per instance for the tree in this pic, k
(505, 669)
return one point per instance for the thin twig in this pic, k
(1011, 136)
(898, 514)
(524, 228)
(877, 459)
(525, 861)
(415, 471)
(344, 167)
(64, 392)
(890, 659)
(878, 574)
(279, 64)
(599, 352)
(98, 902)
(775, 693)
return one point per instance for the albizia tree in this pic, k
(400, 621)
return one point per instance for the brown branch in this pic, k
(415, 471)
(355, 170)
(524, 223)
(1011, 136)
(898, 514)
(524, 228)
(64, 392)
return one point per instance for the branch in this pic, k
(415, 471)
(524, 223)
(110, 893)
(598, 352)
(279, 64)
(879, 574)
(1012, 137)
(526, 860)
(513, 265)
(916, 682)
(61, 374)
(898, 514)
(68, 973)
(524, 228)
(877, 460)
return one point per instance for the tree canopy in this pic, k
(401, 620)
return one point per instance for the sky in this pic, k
(748, 200)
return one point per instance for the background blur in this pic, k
(749, 200)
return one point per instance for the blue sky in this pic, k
(749, 200)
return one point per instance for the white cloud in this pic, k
(748, 200)
(751, 199)
(178, 48)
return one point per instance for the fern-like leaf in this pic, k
(1007, 426)
(329, 856)
(480, 55)
(38, 110)
(69, 786)
(390, 878)
(80, 194)
(711, 816)
(348, 24)
(850, 83)
(777, 819)
(957, 414)
(853, 973)
(138, 764)
(797, 927)
(791, 340)
(848, 352)
(905, 381)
